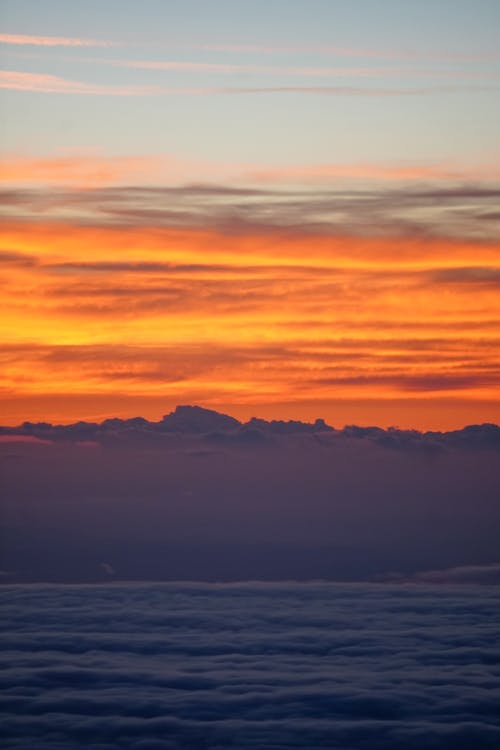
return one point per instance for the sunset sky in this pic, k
(281, 209)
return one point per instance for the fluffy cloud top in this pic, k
(210, 425)
(178, 666)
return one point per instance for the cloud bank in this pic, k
(184, 666)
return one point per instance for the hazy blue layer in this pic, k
(357, 667)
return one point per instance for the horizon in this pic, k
(241, 422)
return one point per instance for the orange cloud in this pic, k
(89, 170)
(95, 169)
(142, 243)
(370, 171)
(255, 318)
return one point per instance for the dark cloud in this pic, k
(13, 258)
(185, 420)
(443, 381)
(186, 269)
(107, 569)
(468, 275)
(459, 211)
(281, 666)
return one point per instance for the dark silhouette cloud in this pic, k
(202, 422)
(187, 419)
(181, 666)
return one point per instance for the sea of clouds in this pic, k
(250, 665)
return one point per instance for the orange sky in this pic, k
(100, 319)
(279, 214)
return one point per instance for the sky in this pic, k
(198, 495)
(280, 209)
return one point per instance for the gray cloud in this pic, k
(461, 210)
(468, 275)
(107, 568)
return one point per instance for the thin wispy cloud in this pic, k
(52, 41)
(226, 178)
(306, 71)
(51, 84)
(419, 172)
(341, 51)
(86, 170)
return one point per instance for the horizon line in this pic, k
(319, 421)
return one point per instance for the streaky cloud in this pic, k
(52, 41)
(305, 71)
(51, 84)
(411, 208)
(343, 51)
(45, 83)
(487, 574)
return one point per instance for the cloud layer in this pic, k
(252, 666)
(241, 295)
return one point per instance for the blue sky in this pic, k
(414, 81)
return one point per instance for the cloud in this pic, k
(82, 171)
(346, 364)
(283, 666)
(477, 275)
(306, 71)
(107, 568)
(51, 84)
(350, 90)
(16, 438)
(342, 51)
(52, 41)
(399, 172)
(196, 420)
(462, 574)
(168, 175)
(321, 304)
(308, 205)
